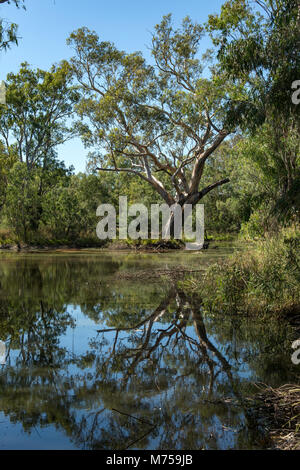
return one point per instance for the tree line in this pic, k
(188, 126)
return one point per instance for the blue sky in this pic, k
(45, 25)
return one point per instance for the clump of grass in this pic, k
(222, 237)
(262, 280)
(7, 238)
(155, 245)
(282, 409)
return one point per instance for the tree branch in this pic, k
(198, 196)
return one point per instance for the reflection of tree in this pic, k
(140, 358)
(32, 317)
(163, 377)
(172, 335)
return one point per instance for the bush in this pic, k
(263, 280)
(171, 244)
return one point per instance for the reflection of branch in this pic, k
(154, 316)
(133, 417)
(153, 426)
(140, 438)
(203, 339)
(146, 344)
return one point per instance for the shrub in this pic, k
(263, 280)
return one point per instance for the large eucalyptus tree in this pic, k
(161, 121)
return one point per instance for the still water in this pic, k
(94, 361)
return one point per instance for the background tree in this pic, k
(231, 205)
(258, 47)
(256, 200)
(35, 120)
(8, 31)
(22, 200)
(7, 160)
(36, 117)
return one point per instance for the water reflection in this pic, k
(148, 370)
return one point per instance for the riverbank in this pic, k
(159, 247)
(280, 409)
(262, 281)
(151, 246)
(39, 242)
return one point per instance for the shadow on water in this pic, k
(95, 363)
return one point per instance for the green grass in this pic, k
(222, 237)
(263, 280)
(7, 237)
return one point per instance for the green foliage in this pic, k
(22, 200)
(274, 155)
(39, 104)
(261, 281)
(154, 121)
(157, 122)
(263, 193)
(258, 46)
(70, 210)
(256, 227)
(62, 212)
(7, 161)
(227, 207)
(8, 31)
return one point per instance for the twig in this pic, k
(140, 438)
(133, 417)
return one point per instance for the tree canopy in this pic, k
(164, 119)
(38, 107)
(175, 128)
(258, 46)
